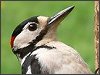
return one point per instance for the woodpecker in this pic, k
(35, 44)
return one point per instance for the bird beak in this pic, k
(59, 16)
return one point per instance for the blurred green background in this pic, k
(76, 30)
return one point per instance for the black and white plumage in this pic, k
(34, 43)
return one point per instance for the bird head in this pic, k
(37, 30)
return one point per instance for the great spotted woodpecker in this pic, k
(34, 43)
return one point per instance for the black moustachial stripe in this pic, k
(24, 51)
(40, 36)
(29, 48)
(18, 29)
(33, 62)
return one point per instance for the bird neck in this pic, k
(22, 52)
(44, 38)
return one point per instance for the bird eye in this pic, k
(32, 27)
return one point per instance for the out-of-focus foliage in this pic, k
(76, 30)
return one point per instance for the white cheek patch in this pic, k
(26, 36)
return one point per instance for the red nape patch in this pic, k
(12, 41)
